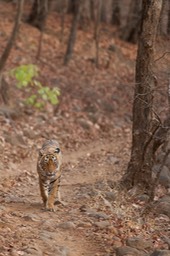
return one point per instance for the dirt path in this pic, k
(28, 230)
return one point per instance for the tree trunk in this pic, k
(162, 20)
(72, 6)
(4, 89)
(92, 12)
(10, 43)
(38, 14)
(97, 31)
(131, 31)
(141, 162)
(116, 13)
(168, 23)
(73, 32)
(62, 15)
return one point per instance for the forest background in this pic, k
(95, 76)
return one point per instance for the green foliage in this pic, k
(25, 76)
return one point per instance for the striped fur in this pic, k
(49, 171)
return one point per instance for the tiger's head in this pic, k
(50, 159)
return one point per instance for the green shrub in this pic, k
(25, 76)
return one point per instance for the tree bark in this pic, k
(10, 43)
(168, 23)
(4, 89)
(141, 161)
(73, 32)
(162, 22)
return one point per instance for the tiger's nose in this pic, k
(50, 174)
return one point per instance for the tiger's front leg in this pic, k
(52, 196)
(58, 198)
(44, 192)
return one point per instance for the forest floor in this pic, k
(93, 126)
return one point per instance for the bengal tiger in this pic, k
(49, 172)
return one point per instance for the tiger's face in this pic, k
(50, 162)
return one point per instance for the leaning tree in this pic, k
(6, 52)
(144, 125)
(12, 38)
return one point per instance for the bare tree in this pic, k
(42, 24)
(63, 9)
(73, 32)
(92, 14)
(97, 31)
(72, 6)
(144, 127)
(10, 43)
(131, 30)
(38, 14)
(115, 13)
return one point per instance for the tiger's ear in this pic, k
(57, 150)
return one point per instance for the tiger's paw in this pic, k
(50, 208)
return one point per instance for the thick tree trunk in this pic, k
(73, 32)
(38, 14)
(131, 31)
(139, 168)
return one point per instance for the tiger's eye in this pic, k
(46, 158)
(57, 150)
